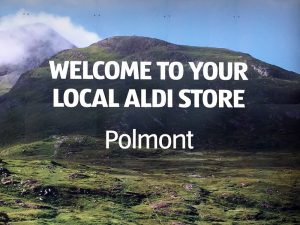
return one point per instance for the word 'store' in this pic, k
(155, 98)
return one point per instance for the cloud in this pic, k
(27, 39)
(27, 46)
(63, 25)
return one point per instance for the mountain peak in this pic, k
(132, 44)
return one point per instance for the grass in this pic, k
(53, 182)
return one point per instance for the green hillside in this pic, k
(271, 117)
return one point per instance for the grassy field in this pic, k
(73, 180)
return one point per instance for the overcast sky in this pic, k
(267, 29)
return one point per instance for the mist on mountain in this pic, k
(24, 48)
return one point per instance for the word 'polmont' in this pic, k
(138, 141)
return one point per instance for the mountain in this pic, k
(270, 120)
(24, 48)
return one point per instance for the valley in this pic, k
(73, 180)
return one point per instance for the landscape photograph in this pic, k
(55, 164)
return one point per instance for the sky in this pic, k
(267, 29)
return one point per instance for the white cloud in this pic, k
(28, 45)
(74, 33)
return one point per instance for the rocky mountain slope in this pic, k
(271, 118)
